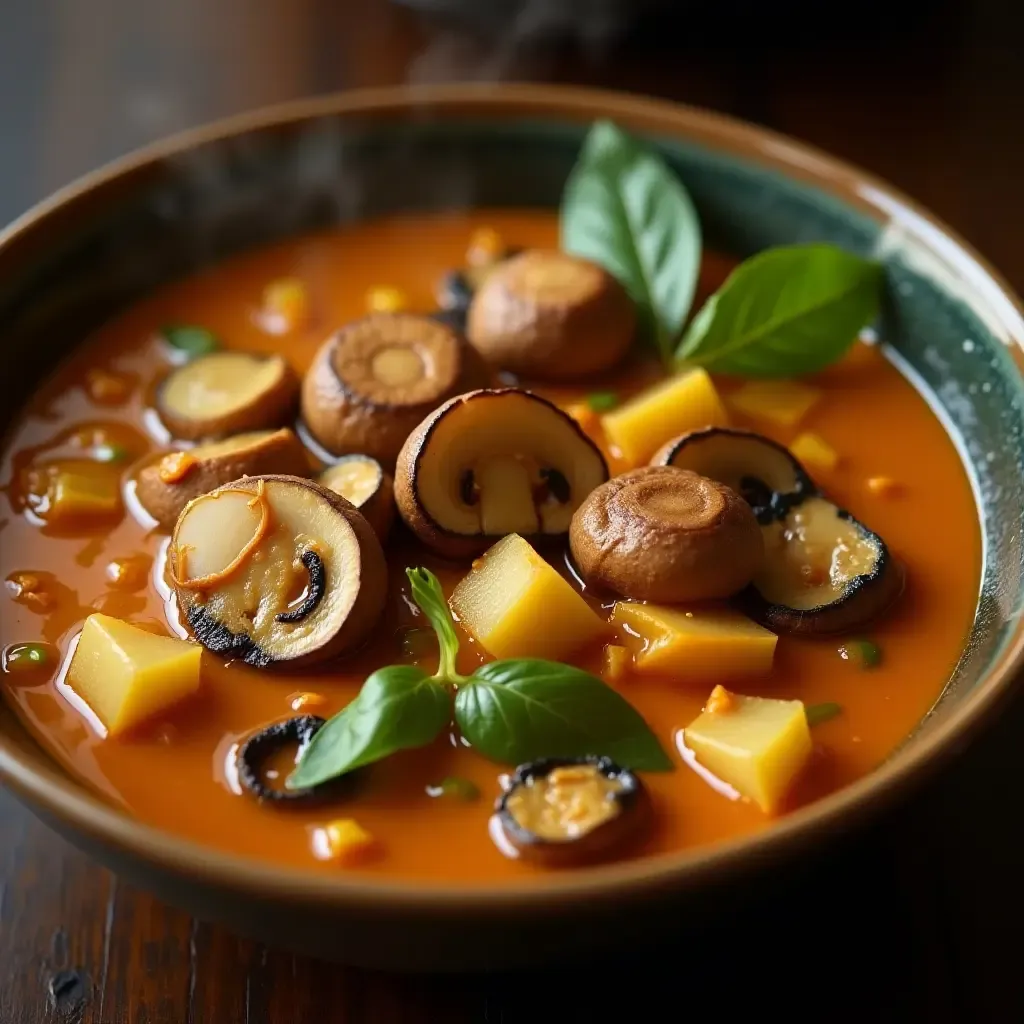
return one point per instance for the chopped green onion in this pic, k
(25, 657)
(862, 653)
(817, 713)
(455, 788)
(110, 453)
(602, 401)
(192, 340)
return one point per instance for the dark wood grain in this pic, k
(916, 918)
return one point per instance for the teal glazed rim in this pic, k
(952, 324)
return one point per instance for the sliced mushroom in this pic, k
(277, 569)
(764, 472)
(373, 381)
(362, 480)
(552, 316)
(666, 535)
(494, 462)
(824, 572)
(570, 812)
(166, 486)
(459, 286)
(227, 393)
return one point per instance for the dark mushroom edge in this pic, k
(619, 810)
(458, 287)
(765, 473)
(257, 750)
(824, 573)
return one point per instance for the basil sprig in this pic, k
(786, 311)
(624, 209)
(190, 339)
(510, 711)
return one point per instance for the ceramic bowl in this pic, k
(952, 323)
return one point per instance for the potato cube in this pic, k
(616, 662)
(755, 744)
(88, 496)
(705, 645)
(518, 606)
(127, 675)
(784, 402)
(345, 841)
(814, 452)
(682, 403)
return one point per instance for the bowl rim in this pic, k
(38, 779)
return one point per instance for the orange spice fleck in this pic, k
(720, 702)
(175, 467)
(883, 486)
(485, 246)
(288, 301)
(306, 699)
(28, 589)
(107, 388)
(131, 573)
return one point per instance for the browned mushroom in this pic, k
(667, 535)
(552, 316)
(824, 573)
(277, 569)
(490, 463)
(227, 393)
(374, 380)
(363, 481)
(166, 486)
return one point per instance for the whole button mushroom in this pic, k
(375, 379)
(552, 316)
(666, 535)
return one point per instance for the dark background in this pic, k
(918, 917)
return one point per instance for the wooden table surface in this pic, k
(919, 917)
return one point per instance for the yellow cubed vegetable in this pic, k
(785, 402)
(883, 486)
(287, 299)
(84, 496)
(683, 403)
(346, 841)
(386, 300)
(127, 674)
(757, 745)
(617, 662)
(814, 452)
(706, 645)
(517, 606)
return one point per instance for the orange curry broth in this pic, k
(172, 775)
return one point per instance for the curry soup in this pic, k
(71, 546)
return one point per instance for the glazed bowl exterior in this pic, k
(951, 323)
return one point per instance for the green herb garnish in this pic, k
(817, 713)
(190, 339)
(602, 401)
(110, 453)
(455, 788)
(511, 711)
(786, 311)
(26, 657)
(863, 653)
(624, 209)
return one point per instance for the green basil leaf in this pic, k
(624, 209)
(516, 711)
(817, 713)
(428, 595)
(602, 401)
(192, 340)
(398, 708)
(786, 311)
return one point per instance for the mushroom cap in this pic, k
(550, 315)
(824, 573)
(361, 480)
(531, 463)
(227, 393)
(666, 535)
(166, 486)
(376, 378)
(277, 568)
(765, 473)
